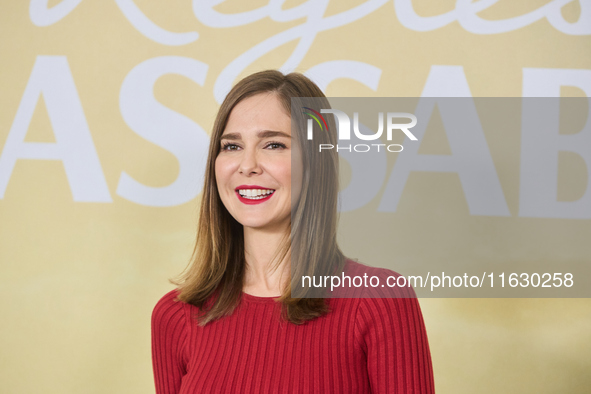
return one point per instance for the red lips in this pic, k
(251, 201)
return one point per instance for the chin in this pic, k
(252, 222)
(260, 225)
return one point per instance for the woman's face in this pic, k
(253, 168)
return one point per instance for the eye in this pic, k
(275, 145)
(229, 146)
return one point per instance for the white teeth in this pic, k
(255, 194)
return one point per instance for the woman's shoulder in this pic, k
(359, 280)
(169, 299)
(355, 267)
(170, 337)
(384, 301)
(169, 308)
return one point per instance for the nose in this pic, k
(249, 165)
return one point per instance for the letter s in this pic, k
(174, 132)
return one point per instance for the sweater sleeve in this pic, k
(392, 333)
(169, 337)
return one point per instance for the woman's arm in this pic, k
(169, 337)
(392, 332)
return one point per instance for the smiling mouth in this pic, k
(255, 194)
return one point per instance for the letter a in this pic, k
(51, 77)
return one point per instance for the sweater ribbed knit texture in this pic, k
(364, 345)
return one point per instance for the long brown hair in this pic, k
(214, 278)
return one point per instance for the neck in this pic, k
(265, 275)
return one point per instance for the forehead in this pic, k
(263, 111)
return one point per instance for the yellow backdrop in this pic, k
(105, 112)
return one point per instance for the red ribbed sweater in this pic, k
(364, 345)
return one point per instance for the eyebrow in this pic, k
(261, 134)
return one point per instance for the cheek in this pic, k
(221, 171)
(283, 172)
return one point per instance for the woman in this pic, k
(232, 324)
